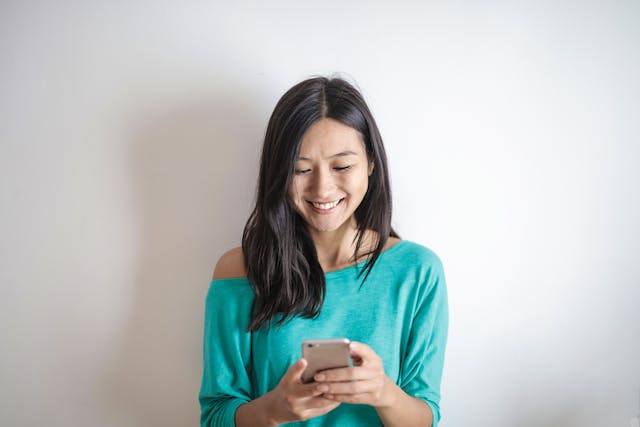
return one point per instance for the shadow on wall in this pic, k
(193, 171)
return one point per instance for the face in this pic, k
(331, 176)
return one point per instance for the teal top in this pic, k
(400, 311)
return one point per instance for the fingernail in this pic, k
(323, 388)
(319, 377)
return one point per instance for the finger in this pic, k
(317, 402)
(351, 398)
(363, 355)
(294, 373)
(351, 387)
(352, 373)
(316, 412)
(361, 350)
(308, 390)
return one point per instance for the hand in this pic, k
(292, 400)
(364, 383)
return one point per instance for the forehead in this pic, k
(327, 137)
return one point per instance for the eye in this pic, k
(343, 168)
(301, 171)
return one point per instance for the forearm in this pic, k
(404, 410)
(256, 413)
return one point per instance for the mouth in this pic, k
(327, 207)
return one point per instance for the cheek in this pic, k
(295, 191)
(358, 183)
(292, 195)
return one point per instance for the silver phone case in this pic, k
(324, 354)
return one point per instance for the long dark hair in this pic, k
(279, 253)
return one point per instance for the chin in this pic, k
(326, 227)
(322, 228)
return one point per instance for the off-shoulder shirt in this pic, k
(400, 311)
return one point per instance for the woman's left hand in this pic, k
(364, 383)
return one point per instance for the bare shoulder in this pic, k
(230, 265)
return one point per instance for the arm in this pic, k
(366, 383)
(255, 413)
(226, 391)
(415, 401)
(421, 370)
(403, 410)
(225, 381)
(290, 401)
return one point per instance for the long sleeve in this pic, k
(421, 372)
(226, 382)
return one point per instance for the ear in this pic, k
(371, 165)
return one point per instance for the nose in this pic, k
(322, 184)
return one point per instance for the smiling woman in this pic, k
(317, 128)
(319, 259)
(327, 188)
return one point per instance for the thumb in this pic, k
(295, 371)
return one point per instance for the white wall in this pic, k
(129, 145)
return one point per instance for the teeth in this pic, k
(325, 205)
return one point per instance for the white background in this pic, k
(130, 135)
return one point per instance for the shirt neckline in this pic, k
(335, 273)
(353, 268)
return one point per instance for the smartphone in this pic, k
(324, 354)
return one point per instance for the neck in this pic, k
(335, 248)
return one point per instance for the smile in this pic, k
(325, 207)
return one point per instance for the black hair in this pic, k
(279, 253)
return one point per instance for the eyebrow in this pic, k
(340, 154)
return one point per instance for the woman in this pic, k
(319, 259)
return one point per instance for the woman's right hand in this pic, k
(292, 400)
